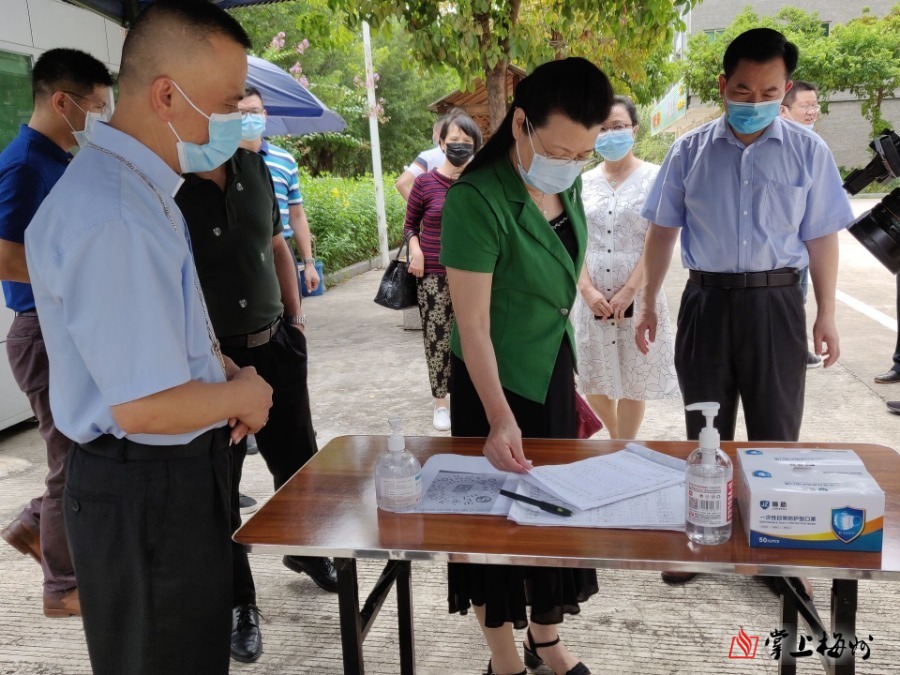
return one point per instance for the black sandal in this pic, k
(490, 671)
(533, 661)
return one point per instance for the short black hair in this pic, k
(760, 45)
(573, 87)
(198, 18)
(250, 90)
(629, 106)
(68, 70)
(466, 125)
(799, 85)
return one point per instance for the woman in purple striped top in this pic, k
(460, 140)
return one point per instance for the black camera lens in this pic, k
(879, 231)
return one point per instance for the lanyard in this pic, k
(214, 342)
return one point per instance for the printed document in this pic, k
(659, 510)
(607, 479)
(464, 484)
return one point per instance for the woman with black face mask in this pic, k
(460, 139)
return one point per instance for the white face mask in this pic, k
(83, 137)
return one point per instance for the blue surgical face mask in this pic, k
(224, 139)
(748, 118)
(614, 145)
(548, 174)
(252, 126)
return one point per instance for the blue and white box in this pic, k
(809, 498)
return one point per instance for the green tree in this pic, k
(480, 38)
(703, 63)
(866, 62)
(861, 56)
(313, 42)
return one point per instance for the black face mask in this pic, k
(459, 153)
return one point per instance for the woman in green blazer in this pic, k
(513, 240)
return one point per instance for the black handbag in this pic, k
(398, 286)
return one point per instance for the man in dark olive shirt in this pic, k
(249, 279)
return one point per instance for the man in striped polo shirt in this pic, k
(286, 179)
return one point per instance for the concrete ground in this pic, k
(364, 369)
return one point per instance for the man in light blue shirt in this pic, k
(136, 377)
(755, 199)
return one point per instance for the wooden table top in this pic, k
(328, 509)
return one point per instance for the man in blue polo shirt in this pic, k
(71, 91)
(285, 178)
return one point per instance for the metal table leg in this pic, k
(843, 625)
(351, 622)
(844, 594)
(787, 664)
(356, 622)
(405, 619)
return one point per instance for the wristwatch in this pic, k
(296, 319)
(309, 261)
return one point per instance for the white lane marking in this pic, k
(861, 307)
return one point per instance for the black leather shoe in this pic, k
(490, 671)
(890, 377)
(246, 640)
(894, 406)
(674, 578)
(534, 662)
(321, 570)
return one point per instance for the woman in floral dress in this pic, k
(616, 378)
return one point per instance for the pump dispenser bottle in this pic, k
(708, 485)
(398, 475)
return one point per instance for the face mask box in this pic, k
(815, 499)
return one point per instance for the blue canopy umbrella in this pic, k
(123, 12)
(292, 109)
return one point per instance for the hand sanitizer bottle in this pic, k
(398, 475)
(708, 485)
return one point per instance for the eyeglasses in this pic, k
(808, 109)
(618, 127)
(252, 111)
(564, 161)
(95, 107)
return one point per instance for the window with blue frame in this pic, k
(15, 94)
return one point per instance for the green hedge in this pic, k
(342, 217)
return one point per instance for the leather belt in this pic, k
(125, 450)
(30, 312)
(252, 340)
(786, 276)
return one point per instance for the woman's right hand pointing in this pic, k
(503, 446)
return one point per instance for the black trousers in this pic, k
(896, 366)
(748, 343)
(287, 441)
(151, 548)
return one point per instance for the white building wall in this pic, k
(34, 26)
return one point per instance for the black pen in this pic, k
(543, 506)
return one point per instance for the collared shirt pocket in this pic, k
(783, 207)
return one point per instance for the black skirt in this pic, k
(506, 590)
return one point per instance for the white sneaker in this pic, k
(441, 419)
